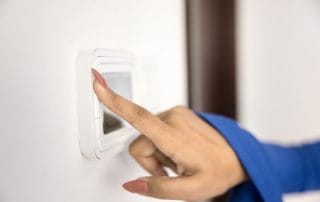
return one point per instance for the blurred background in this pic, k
(256, 61)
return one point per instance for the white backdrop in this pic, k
(39, 42)
(278, 49)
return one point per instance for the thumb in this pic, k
(163, 187)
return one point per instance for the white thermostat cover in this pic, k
(99, 129)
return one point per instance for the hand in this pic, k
(178, 139)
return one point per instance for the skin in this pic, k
(205, 164)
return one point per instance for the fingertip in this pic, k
(99, 78)
(139, 186)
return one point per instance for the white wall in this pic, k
(279, 63)
(39, 42)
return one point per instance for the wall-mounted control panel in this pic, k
(100, 130)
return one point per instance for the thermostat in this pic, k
(100, 130)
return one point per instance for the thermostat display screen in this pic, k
(120, 82)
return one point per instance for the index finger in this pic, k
(140, 118)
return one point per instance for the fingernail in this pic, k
(139, 186)
(99, 78)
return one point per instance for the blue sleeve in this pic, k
(273, 169)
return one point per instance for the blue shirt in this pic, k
(273, 169)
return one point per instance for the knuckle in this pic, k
(134, 146)
(141, 147)
(179, 109)
(140, 112)
(172, 117)
(138, 115)
(176, 115)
